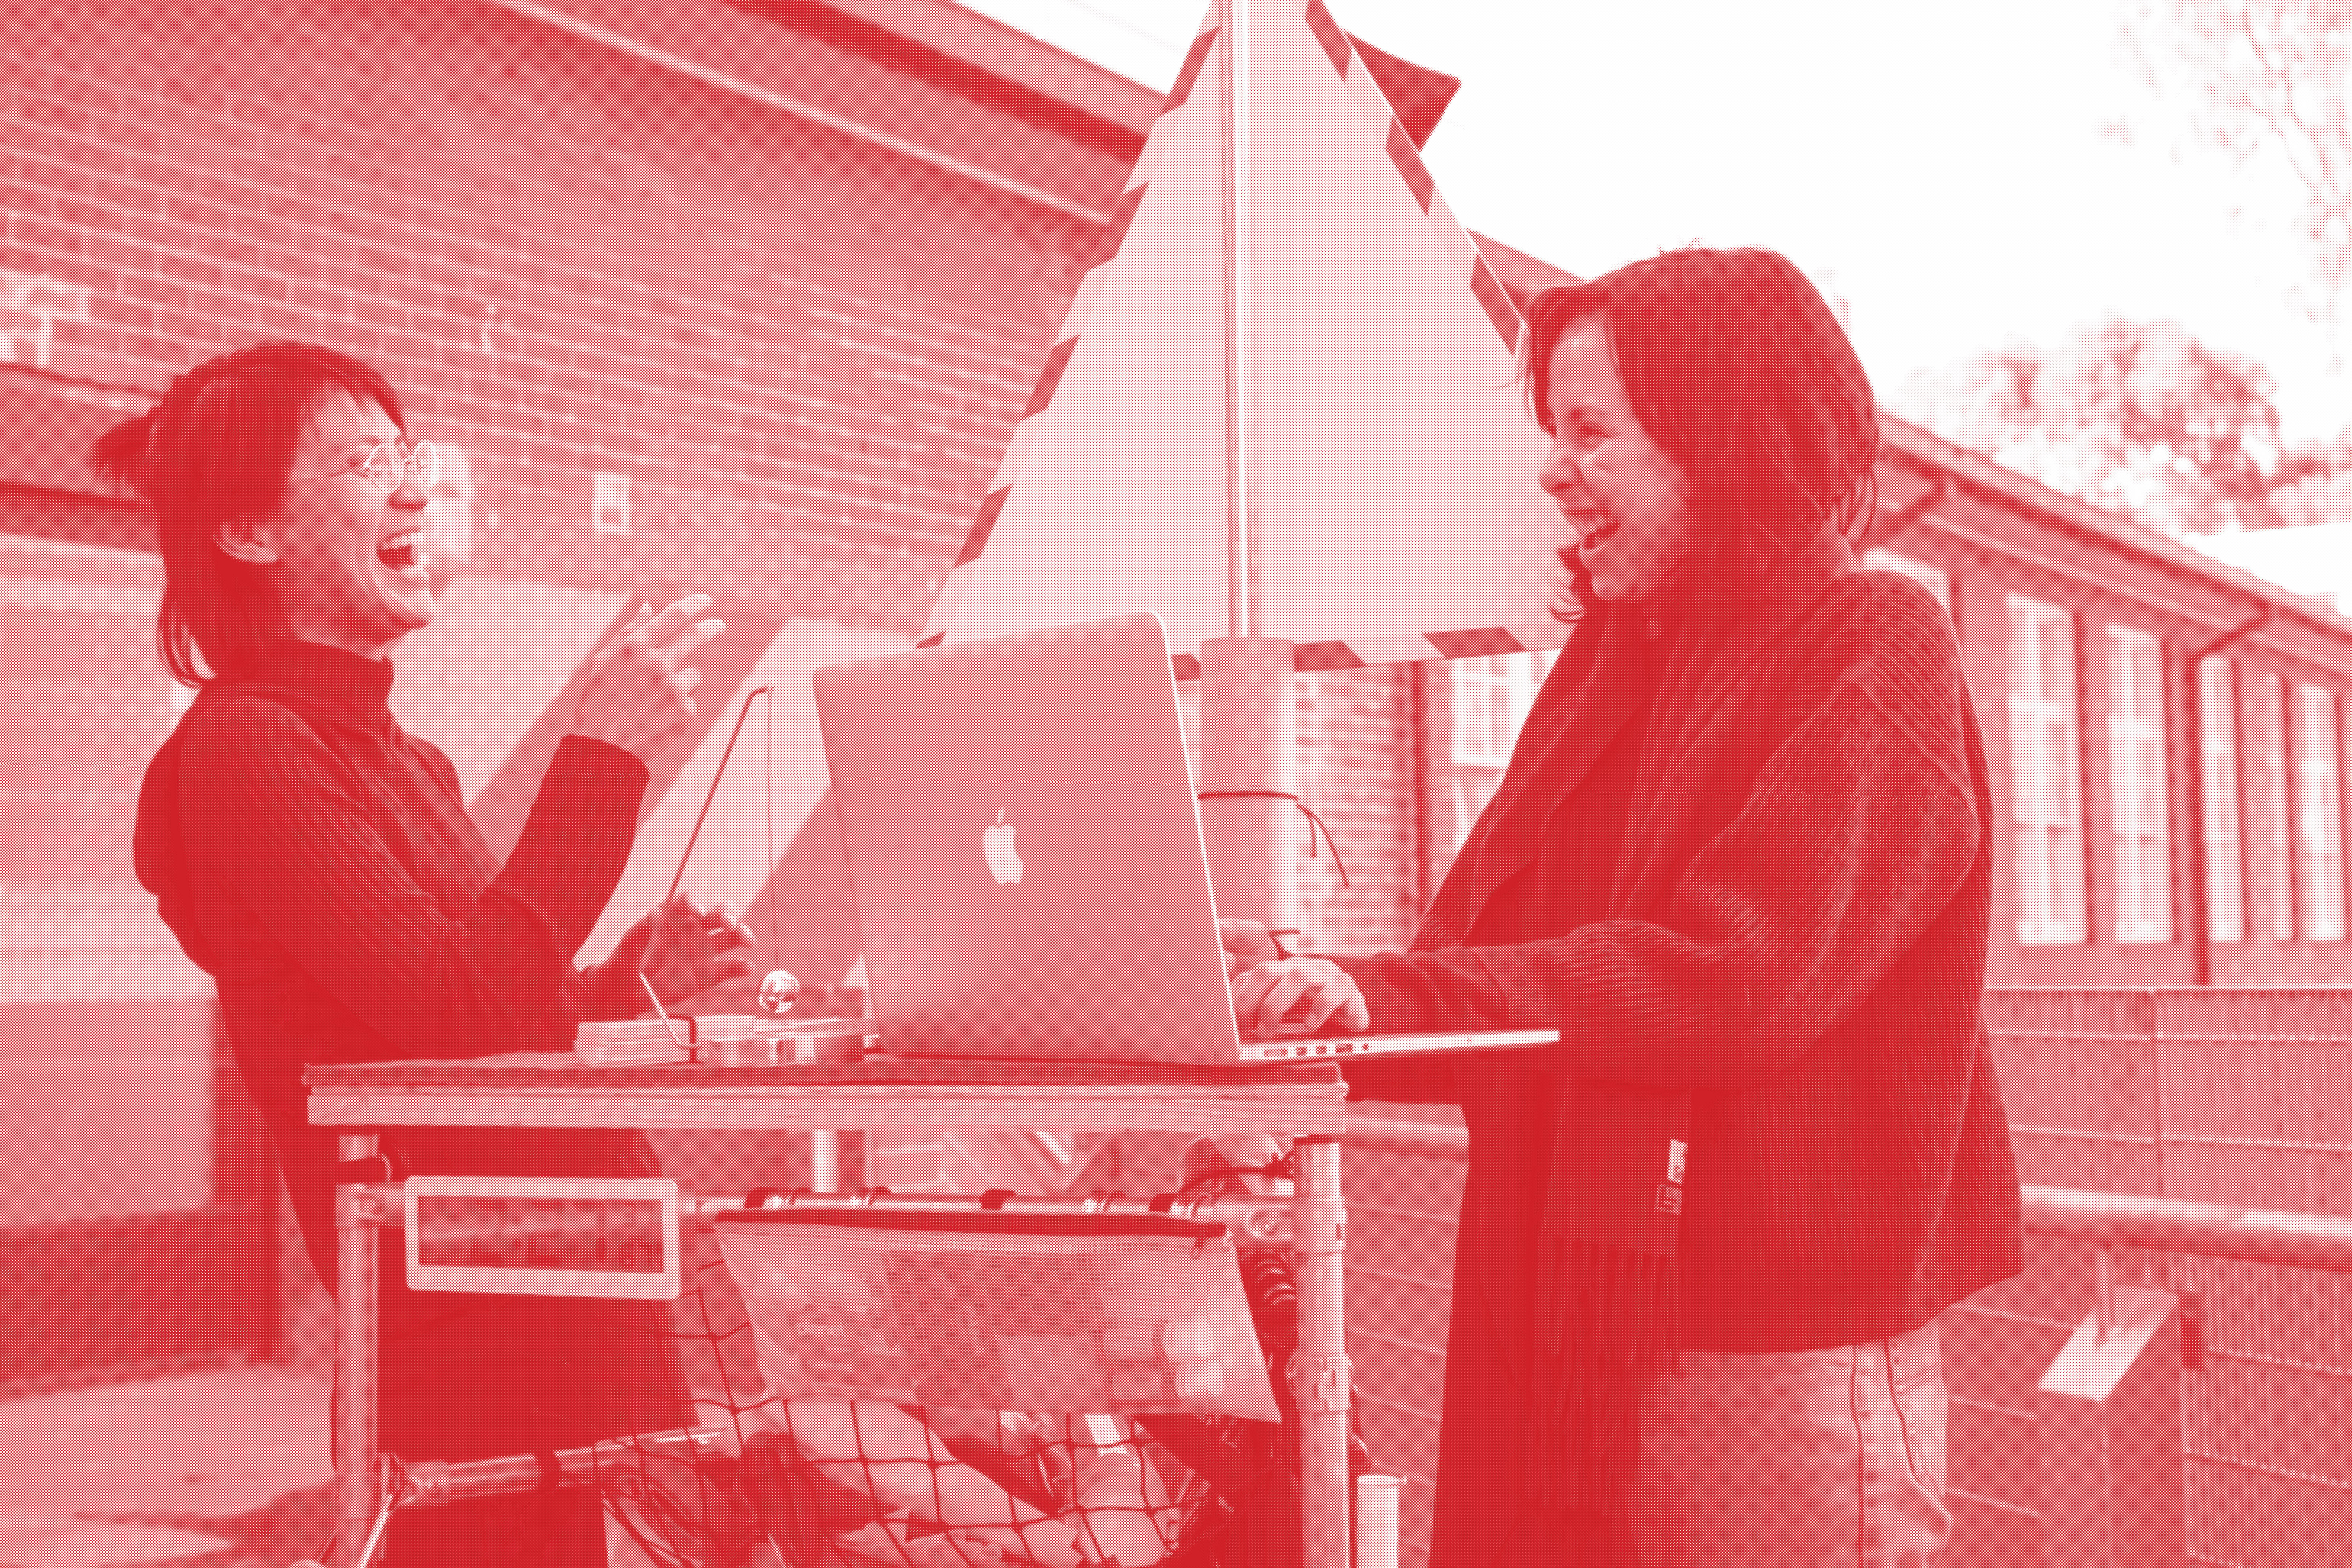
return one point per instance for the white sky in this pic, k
(1942, 167)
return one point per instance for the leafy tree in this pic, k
(2268, 76)
(2139, 418)
(2313, 484)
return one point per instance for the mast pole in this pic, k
(1249, 781)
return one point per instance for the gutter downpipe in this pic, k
(2200, 886)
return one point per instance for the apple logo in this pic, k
(996, 845)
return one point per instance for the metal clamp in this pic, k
(373, 1204)
(1322, 1383)
(1318, 1225)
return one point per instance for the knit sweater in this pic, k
(1813, 972)
(318, 861)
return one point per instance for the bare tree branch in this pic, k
(2268, 77)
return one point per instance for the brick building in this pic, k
(746, 296)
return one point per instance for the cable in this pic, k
(1281, 1169)
(775, 928)
(742, 713)
(395, 1486)
(1313, 821)
(661, 916)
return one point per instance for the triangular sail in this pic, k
(1399, 514)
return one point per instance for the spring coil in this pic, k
(1273, 1294)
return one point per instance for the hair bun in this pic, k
(120, 454)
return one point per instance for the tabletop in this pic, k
(560, 1091)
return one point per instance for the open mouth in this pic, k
(404, 552)
(1593, 529)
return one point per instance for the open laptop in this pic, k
(1026, 859)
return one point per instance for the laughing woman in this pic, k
(317, 862)
(1742, 862)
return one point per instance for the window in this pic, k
(1934, 579)
(2217, 723)
(2135, 761)
(1491, 697)
(2274, 778)
(2320, 814)
(2045, 789)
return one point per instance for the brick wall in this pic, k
(1355, 769)
(804, 354)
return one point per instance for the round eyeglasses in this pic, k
(385, 466)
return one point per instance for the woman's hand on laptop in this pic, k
(1305, 995)
(1247, 945)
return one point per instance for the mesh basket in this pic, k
(1119, 1314)
(923, 1371)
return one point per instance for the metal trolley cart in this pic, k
(1307, 1101)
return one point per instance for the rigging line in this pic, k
(710, 794)
(661, 915)
(775, 931)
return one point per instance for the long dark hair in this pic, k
(1734, 364)
(219, 447)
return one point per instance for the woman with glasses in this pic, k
(318, 861)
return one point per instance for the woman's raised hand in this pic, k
(639, 695)
(684, 948)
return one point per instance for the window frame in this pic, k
(2278, 778)
(2222, 829)
(1480, 682)
(2319, 811)
(1936, 580)
(2050, 851)
(2138, 803)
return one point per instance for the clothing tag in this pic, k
(1674, 1147)
(1670, 1199)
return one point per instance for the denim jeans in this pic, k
(1824, 1459)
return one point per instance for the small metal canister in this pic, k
(753, 1051)
(819, 1039)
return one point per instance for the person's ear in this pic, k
(244, 539)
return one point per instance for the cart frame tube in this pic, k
(1321, 1377)
(355, 1360)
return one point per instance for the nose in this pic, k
(1559, 471)
(411, 496)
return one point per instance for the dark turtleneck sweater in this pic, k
(321, 867)
(318, 861)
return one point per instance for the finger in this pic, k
(1283, 998)
(644, 613)
(689, 641)
(689, 681)
(1249, 997)
(674, 616)
(1242, 936)
(1331, 999)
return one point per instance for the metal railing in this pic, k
(2110, 1219)
(2107, 1493)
